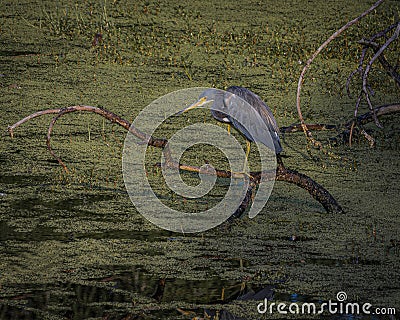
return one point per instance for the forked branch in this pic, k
(282, 174)
(378, 50)
(311, 59)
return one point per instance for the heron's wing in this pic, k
(257, 103)
(268, 117)
(249, 121)
(270, 121)
(253, 118)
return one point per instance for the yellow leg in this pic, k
(238, 174)
(247, 154)
(229, 129)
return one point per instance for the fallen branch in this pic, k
(282, 174)
(379, 111)
(317, 191)
(159, 143)
(348, 128)
(30, 117)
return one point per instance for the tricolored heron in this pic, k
(228, 110)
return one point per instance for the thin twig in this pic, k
(351, 133)
(310, 60)
(368, 68)
(31, 116)
(367, 43)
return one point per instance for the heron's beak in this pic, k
(197, 104)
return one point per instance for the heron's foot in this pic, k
(244, 171)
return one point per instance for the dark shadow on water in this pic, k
(14, 53)
(133, 293)
(45, 233)
(22, 180)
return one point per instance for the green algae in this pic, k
(71, 244)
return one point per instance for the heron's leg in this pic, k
(244, 172)
(229, 129)
(247, 155)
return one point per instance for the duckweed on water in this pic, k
(73, 245)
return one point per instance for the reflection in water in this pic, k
(127, 294)
(220, 314)
(132, 293)
(111, 297)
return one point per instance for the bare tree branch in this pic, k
(366, 90)
(367, 69)
(310, 60)
(370, 43)
(317, 191)
(378, 111)
(282, 174)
